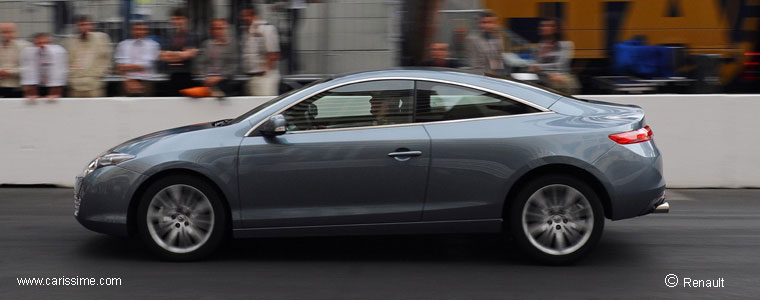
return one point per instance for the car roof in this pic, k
(525, 91)
(423, 72)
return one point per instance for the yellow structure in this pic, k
(726, 27)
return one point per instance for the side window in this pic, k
(382, 102)
(444, 102)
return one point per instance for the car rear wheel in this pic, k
(181, 218)
(556, 219)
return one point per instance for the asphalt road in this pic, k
(709, 234)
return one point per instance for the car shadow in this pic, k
(484, 248)
(475, 248)
(106, 247)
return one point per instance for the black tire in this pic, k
(213, 237)
(555, 219)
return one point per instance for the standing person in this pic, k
(553, 56)
(89, 58)
(484, 48)
(260, 55)
(135, 61)
(439, 57)
(43, 68)
(219, 59)
(178, 53)
(10, 53)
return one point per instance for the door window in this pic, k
(374, 103)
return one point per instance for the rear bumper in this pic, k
(662, 208)
(659, 206)
(633, 178)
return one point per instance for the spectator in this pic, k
(43, 68)
(89, 59)
(135, 61)
(10, 52)
(219, 60)
(553, 59)
(484, 48)
(439, 57)
(178, 53)
(260, 55)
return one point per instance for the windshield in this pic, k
(274, 100)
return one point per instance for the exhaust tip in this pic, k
(662, 208)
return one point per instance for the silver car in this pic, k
(405, 151)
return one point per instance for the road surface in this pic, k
(709, 235)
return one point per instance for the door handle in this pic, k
(404, 155)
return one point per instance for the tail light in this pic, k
(633, 137)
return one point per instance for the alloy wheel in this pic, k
(558, 219)
(180, 218)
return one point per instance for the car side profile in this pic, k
(402, 151)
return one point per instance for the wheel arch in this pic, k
(561, 169)
(137, 195)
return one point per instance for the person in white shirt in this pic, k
(44, 68)
(261, 52)
(10, 52)
(135, 61)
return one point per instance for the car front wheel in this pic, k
(181, 218)
(556, 219)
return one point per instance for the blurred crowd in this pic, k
(488, 51)
(213, 67)
(76, 68)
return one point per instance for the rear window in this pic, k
(444, 102)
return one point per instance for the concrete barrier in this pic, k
(706, 140)
(52, 142)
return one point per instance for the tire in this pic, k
(556, 219)
(181, 218)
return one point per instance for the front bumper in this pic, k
(102, 199)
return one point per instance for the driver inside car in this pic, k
(387, 111)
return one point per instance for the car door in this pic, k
(478, 140)
(351, 156)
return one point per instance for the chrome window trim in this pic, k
(518, 99)
(526, 86)
(542, 110)
(419, 124)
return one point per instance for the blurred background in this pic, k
(611, 47)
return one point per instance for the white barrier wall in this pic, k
(706, 140)
(53, 142)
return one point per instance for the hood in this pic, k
(137, 144)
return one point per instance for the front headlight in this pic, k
(107, 160)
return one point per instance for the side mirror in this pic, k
(276, 125)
